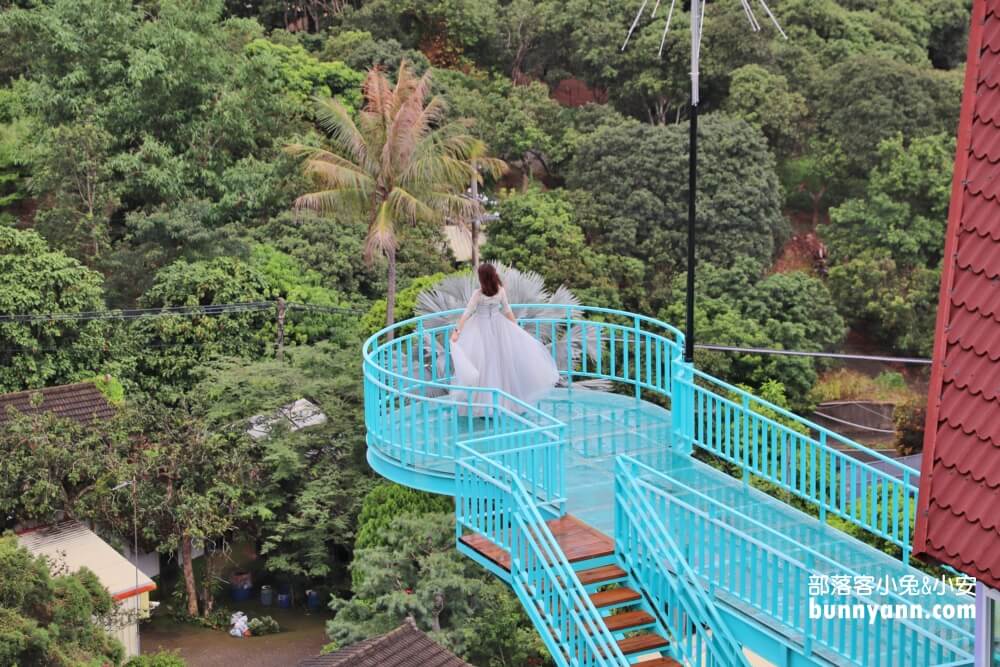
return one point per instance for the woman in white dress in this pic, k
(490, 350)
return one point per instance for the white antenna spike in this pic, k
(638, 15)
(751, 17)
(773, 19)
(701, 24)
(656, 8)
(666, 29)
(697, 19)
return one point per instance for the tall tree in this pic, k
(51, 619)
(399, 164)
(37, 280)
(188, 484)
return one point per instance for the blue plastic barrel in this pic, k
(312, 600)
(241, 593)
(284, 600)
(266, 596)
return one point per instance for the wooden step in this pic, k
(614, 596)
(598, 574)
(647, 641)
(629, 619)
(578, 541)
(660, 662)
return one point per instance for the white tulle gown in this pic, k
(496, 353)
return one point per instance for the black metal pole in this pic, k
(692, 191)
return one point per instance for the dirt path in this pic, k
(303, 635)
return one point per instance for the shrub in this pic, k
(263, 625)
(909, 417)
(161, 659)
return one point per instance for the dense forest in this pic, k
(162, 160)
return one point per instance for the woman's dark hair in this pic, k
(489, 280)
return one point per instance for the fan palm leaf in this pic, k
(526, 287)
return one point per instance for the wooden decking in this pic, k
(577, 540)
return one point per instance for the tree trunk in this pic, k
(188, 565)
(475, 224)
(436, 612)
(475, 244)
(390, 293)
(207, 599)
(817, 197)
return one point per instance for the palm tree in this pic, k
(400, 163)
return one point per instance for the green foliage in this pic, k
(863, 101)
(263, 625)
(764, 100)
(418, 573)
(848, 385)
(303, 76)
(453, 27)
(48, 465)
(374, 319)
(385, 503)
(910, 417)
(905, 208)
(35, 279)
(175, 346)
(520, 123)
(313, 480)
(738, 307)
(112, 389)
(158, 659)
(360, 51)
(188, 483)
(48, 619)
(887, 246)
(637, 177)
(287, 277)
(13, 162)
(72, 166)
(537, 231)
(897, 307)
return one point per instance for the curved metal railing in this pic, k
(415, 416)
(506, 467)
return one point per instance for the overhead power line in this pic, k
(181, 311)
(827, 355)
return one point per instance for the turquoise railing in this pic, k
(507, 467)
(415, 416)
(674, 591)
(813, 463)
(491, 500)
(759, 573)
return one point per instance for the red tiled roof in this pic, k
(82, 402)
(406, 646)
(958, 518)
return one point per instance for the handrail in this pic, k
(756, 588)
(813, 426)
(814, 556)
(647, 548)
(543, 579)
(415, 415)
(732, 428)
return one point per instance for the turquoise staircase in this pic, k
(625, 548)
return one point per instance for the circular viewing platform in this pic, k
(616, 371)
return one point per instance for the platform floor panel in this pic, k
(578, 541)
(590, 492)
